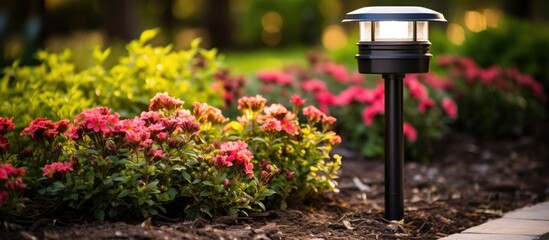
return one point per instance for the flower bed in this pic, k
(194, 160)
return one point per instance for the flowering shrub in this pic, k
(59, 89)
(294, 159)
(360, 105)
(494, 102)
(11, 178)
(192, 160)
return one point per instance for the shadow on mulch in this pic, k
(467, 183)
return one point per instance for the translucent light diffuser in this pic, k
(392, 31)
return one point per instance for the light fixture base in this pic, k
(393, 57)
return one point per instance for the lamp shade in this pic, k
(393, 39)
(394, 13)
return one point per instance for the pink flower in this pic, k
(436, 82)
(409, 132)
(289, 127)
(338, 72)
(489, 75)
(297, 101)
(272, 125)
(348, 95)
(156, 153)
(150, 117)
(450, 107)
(425, 104)
(356, 78)
(97, 119)
(314, 114)
(235, 153)
(280, 78)
(325, 98)
(416, 89)
(6, 125)
(227, 183)
(162, 101)
(370, 112)
(57, 167)
(314, 85)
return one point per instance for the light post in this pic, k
(393, 42)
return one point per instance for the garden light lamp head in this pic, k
(393, 39)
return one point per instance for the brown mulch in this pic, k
(468, 182)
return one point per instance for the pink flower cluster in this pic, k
(57, 167)
(10, 181)
(495, 76)
(235, 153)
(43, 128)
(314, 115)
(276, 77)
(98, 119)
(277, 118)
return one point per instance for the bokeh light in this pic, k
(334, 37)
(455, 33)
(272, 23)
(475, 21)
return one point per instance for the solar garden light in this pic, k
(393, 42)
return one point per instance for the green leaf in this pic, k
(99, 215)
(186, 176)
(208, 183)
(124, 193)
(205, 193)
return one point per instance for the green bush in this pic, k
(494, 102)
(57, 89)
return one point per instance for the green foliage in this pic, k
(55, 89)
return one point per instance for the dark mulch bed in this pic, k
(467, 183)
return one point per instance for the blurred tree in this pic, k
(119, 19)
(217, 21)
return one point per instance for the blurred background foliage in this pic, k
(258, 31)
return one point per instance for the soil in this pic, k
(468, 182)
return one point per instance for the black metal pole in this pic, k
(394, 147)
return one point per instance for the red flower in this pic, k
(6, 125)
(425, 104)
(409, 132)
(4, 195)
(39, 128)
(450, 107)
(57, 167)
